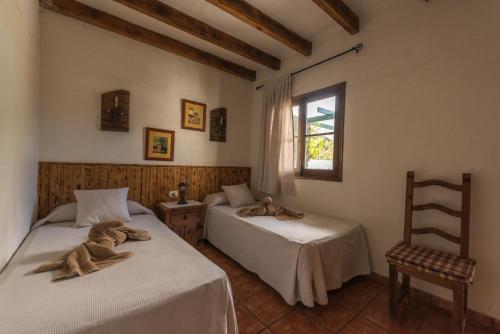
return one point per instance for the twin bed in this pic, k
(167, 286)
(301, 259)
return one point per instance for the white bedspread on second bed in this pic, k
(301, 259)
(166, 287)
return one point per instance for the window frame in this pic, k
(335, 174)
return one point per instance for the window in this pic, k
(318, 124)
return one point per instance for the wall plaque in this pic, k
(218, 122)
(114, 111)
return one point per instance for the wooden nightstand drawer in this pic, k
(186, 218)
(178, 229)
(191, 234)
(186, 221)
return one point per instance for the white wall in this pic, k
(19, 86)
(79, 62)
(422, 95)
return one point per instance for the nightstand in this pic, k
(187, 220)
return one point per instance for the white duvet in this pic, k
(301, 259)
(166, 287)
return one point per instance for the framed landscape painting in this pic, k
(193, 115)
(159, 144)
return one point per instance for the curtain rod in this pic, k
(355, 48)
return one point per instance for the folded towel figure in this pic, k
(96, 253)
(267, 208)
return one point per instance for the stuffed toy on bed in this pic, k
(267, 208)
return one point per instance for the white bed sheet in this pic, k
(166, 287)
(301, 259)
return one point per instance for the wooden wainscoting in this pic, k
(148, 184)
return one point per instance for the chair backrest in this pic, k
(463, 214)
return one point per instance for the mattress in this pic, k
(301, 259)
(166, 287)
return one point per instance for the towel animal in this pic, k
(267, 208)
(96, 253)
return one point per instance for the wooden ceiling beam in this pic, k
(169, 15)
(341, 13)
(256, 18)
(117, 25)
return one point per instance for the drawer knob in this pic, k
(185, 217)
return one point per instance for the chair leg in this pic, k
(460, 304)
(393, 289)
(405, 287)
(466, 293)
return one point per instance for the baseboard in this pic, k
(472, 315)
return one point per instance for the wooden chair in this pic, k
(441, 268)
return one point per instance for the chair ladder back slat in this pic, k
(465, 221)
(439, 232)
(440, 183)
(410, 179)
(435, 206)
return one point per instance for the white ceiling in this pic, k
(302, 16)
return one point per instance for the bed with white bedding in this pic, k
(166, 287)
(301, 259)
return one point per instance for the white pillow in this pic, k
(135, 208)
(216, 199)
(95, 206)
(67, 213)
(239, 195)
(63, 213)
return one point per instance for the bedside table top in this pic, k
(174, 205)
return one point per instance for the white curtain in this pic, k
(275, 170)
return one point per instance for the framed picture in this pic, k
(193, 115)
(159, 144)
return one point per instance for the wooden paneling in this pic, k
(75, 177)
(117, 25)
(55, 186)
(147, 184)
(43, 189)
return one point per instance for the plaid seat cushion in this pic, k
(429, 260)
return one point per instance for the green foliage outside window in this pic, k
(319, 147)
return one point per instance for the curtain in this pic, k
(275, 171)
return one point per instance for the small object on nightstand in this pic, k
(187, 220)
(182, 192)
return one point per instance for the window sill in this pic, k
(320, 178)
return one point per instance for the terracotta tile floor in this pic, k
(359, 307)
